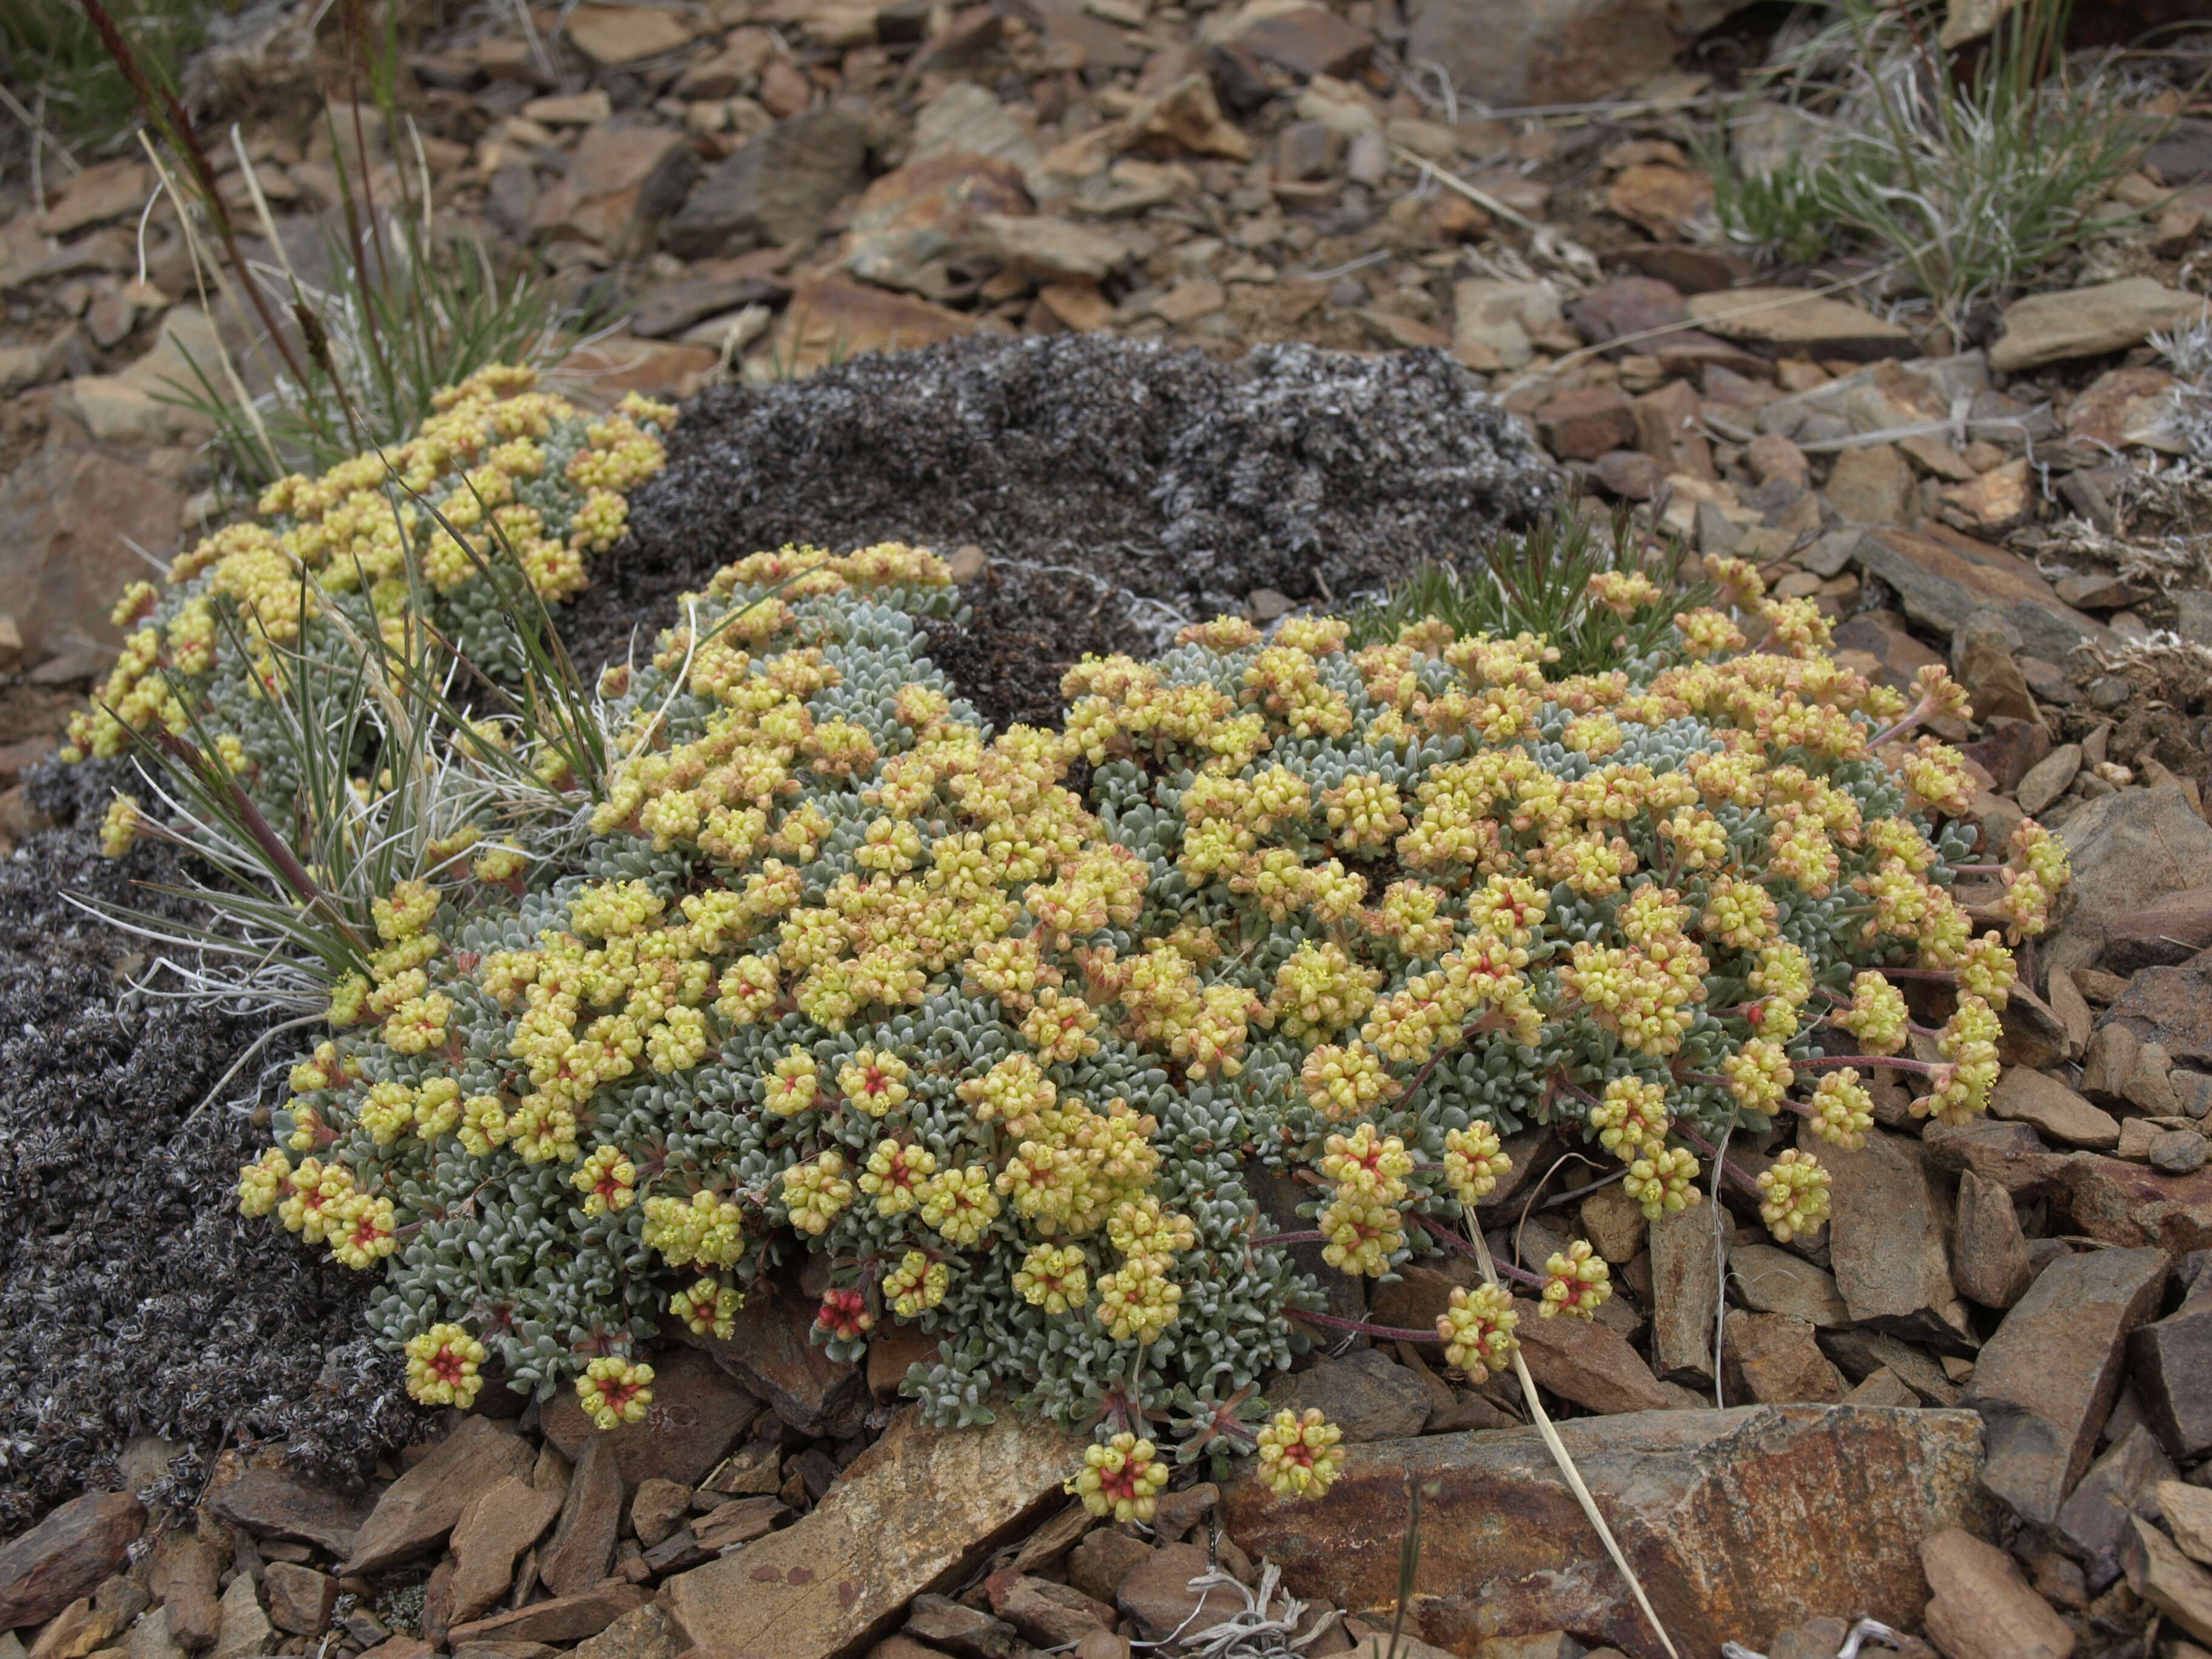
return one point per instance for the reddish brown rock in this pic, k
(2162, 934)
(1659, 198)
(564, 1618)
(948, 1626)
(1103, 1560)
(276, 1503)
(1585, 423)
(2126, 1204)
(299, 1598)
(2124, 1481)
(1988, 1252)
(1588, 1363)
(1048, 1614)
(914, 1512)
(2159, 1572)
(698, 1412)
(581, 1550)
(1366, 1393)
(1800, 322)
(1888, 1242)
(420, 1508)
(1686, 1290)
(67, 518)
(1629, 474)
(2171, 1365)
(66, 1556)
(618, 176)
(770, 1353)
(893, 1352)
(908, 223)
(1306, 39)
(1942, 578)
(2120, 407)
(1627, 306)
(2045, 1381)
(1981, 1606)
(1157, 1592)
(186, 1578)
(1671, 431)
(1741, 1521)
(1779, 1361)
(500, 1523)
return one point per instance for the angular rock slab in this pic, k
(66, 1556)
(420, 1508)
(1738, 1522)
(914, 1512)
(698, 1413)
(2045, 1381)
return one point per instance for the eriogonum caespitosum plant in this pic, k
(1004, 1026)
(1008, 1028)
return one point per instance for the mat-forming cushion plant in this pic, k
(1015, 1031)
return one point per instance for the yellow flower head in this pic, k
(1122, 1478)
(1576, 1281)
(442, 1365)
(615, 1391)
(1300, 1453)
(1476, 1328)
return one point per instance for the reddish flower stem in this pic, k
(1388, 1333)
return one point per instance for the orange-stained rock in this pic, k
(1737, 1521)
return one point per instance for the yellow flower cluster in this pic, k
(449, 496)
(1476, 1328)
(1793, 1195)
(1576, 1281)
(615, 1391)
(1122, 1478)
(1300, 1454)
(442, 1364)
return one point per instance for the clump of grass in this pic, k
(412, 305)
(1538, 581)
(51, 56)
(1966, 182)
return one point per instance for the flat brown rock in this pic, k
(1942, 578)
(581, 1550)
(1888, 1242)
(66, 1556)
(1581, 1360)
(421, 1507)
(1810, 325)
(1982, 1607)
(1780, 1361)
(563, 1619)
(1736, 1522)
(770, 1353)
(2045, 1381)
(500, 1523)
(914, 1512)
(2128, 1205)
(699, 1412)
(2056, 1112)
(275, 1504)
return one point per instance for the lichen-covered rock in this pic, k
(1116, 487)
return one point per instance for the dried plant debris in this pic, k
(1159, 474)
(140, 1303)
